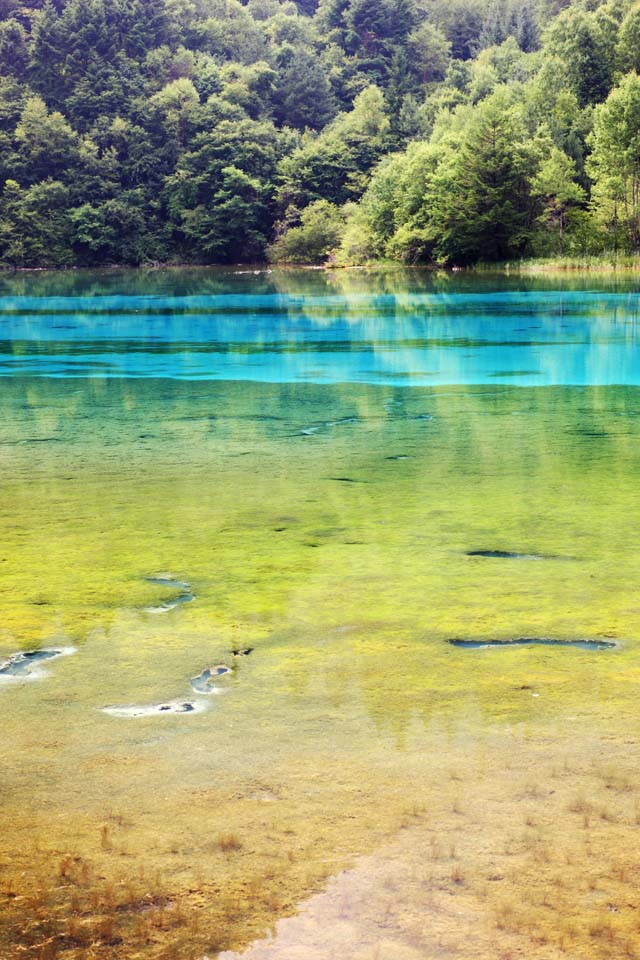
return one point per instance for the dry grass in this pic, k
(519, 867)
(229, 842)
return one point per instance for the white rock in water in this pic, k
(27, 665)
(165, 708)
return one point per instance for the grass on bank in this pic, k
(610, 262)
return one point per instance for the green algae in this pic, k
(234, 510)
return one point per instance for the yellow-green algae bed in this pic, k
(357, 788)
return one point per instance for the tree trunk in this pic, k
(634, 209)
(625, 188)
(561, 231)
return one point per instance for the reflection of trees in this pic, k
(292, 325)
(192, 281)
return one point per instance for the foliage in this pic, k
(585, 42)
(480, 194)
(614, 164)
(335, 164)
(555, 184)
(136, 131)
(318, 233)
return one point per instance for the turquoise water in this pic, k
(252, 510)
(413, 336)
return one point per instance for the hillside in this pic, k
(208, 131)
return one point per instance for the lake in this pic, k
(243, 516)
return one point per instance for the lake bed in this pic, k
(338, 475)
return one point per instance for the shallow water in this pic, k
(316, 465)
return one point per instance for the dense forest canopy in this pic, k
(215, 131)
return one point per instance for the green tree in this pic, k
(555, 184)
(47, 144)
(614, 164)
(526, 27)
(13, 96)
(229, 33)
(480, 196)
(47, 54)
(200, 200)
(118, 230)
(316, 236)
(372, 26)
(429, 53)
(34, 225)
(233, 227)
(335, 164)
(177, 103)
(628, 49)
(392, 219)
(303, 98)
(461, 21)
(583, 42)
(14, 49)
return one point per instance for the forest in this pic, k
(345, 131)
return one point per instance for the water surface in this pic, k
(303, 466)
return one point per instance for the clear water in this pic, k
(300, 465)
(404, 337)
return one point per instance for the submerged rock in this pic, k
(346, 480)
(204, 682)
(168, 580)
(25, 663)
(506, 555)
(580, 644)
(157, 709)
(168, 605)
(326, 425)
(41, 440)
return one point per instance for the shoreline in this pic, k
(509, 268)
(625, 266)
